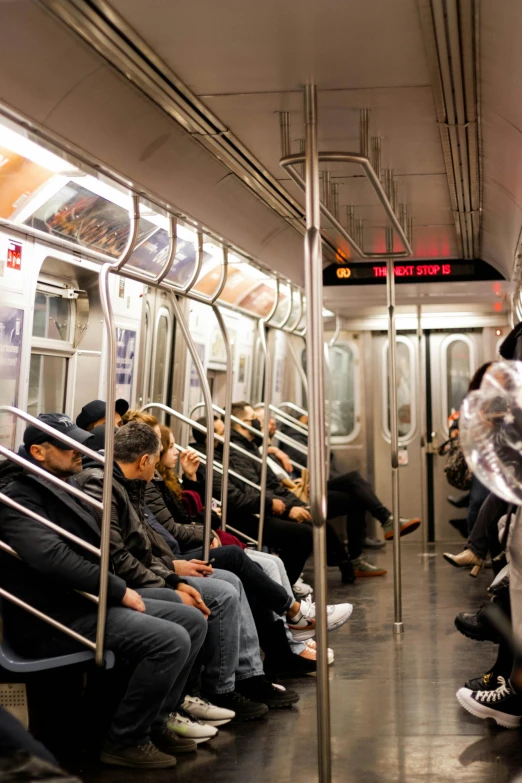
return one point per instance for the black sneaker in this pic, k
(502, 704)
(136, 756)
(168, 741)
(489, 681)
(259, 689)
(235, 701)
(476, 626)
(288, 666)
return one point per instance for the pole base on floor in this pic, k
(398, 628)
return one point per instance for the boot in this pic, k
(465, 559)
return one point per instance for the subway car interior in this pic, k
(302, 222)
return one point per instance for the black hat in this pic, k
(95, 410)
(60, 423)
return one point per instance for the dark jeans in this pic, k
(360, 491)
(257, 585)
(160, 644)
(484, 536)
(292, 541)
(340, 504)
(477, 496)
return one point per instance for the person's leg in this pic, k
(360, 490)
(14, 737)
(485, 527)
(477, 496)
(340, 504)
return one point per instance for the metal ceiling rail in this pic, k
(289, 161)
(229, 382)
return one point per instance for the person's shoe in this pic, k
(169, 741)
(312, 647)
(502, 704)
(146, 756)
(288, 666)
(259, 689)
(489, 681)
(203, 710)
(373, 543)
(476, 626)
(336, 614)
(301, 589)
(184, 725)
(465, 559)
(363, 568)
(405, 526)
(462, 502)
(243, 708)
(347, 572)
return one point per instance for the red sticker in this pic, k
(14, 254)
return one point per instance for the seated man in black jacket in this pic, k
(52, 571)
(233, 665)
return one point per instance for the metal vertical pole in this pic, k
(316, 422)
(398, 626)
(421, 376)
(267, 398)
(229, 382)
(209, 412)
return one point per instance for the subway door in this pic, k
(410, 470)
(156, 349)
(451, 362)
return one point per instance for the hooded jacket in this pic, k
(53, 568)
(131, 548)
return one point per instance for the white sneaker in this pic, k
(184, 725)
(203, 710)
(311, 645)
(301, 589)
(337, 614)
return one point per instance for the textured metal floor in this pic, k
(394, 713)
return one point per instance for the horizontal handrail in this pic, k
(243, 535)
(281, 436)
(50, 477)
(201, 427)
(219, 467)
(285, 418)
(47, 522)
(294, 407)
(46, 619)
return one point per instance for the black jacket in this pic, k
(294, 454)
(52, 567)
(171, 513)
(131, 549)
(244, 499)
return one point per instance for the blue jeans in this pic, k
(477, 495)
(161, 645)
(232, 649)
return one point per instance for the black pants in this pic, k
(484, 536)
(361, 492)
(14, 737)
(259, 588)
(292, 541)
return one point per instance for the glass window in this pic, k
(405, 380)
(186, 257)
(52, 317)
(458, 373)
(160, 359)
(47, 384)
(343, 368)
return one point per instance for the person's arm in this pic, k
(51, 555)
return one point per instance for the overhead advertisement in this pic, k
(11, 328)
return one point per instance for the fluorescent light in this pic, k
(21, 145)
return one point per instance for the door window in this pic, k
(406, 403)
(345, 384)
(160, 361)
(47, 384)
(458, 366)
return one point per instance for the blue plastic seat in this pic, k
(13, 662)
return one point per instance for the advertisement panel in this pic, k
(125, 354)
(11, 329)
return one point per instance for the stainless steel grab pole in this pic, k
(316, 424)
(398, 626)
(207, 525)
(229, 385)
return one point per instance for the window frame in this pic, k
(162, 312)
(404, 440)
(453, 338)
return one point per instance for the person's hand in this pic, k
(190, 597)
(299, 514)
(278, 507)
(133, 600)
(192, 568)
(190, 464)
(216, 541)
(284, 459)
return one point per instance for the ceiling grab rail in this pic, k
(229, 387)
(110, 403)
(205, 388)
(267, 395)
(284, 438)
(398, 625)
(317, 457)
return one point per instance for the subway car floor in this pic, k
(393, 706)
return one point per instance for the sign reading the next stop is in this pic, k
(371, 273)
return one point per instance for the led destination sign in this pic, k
(371, 273)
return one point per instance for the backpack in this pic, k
(458, 474)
